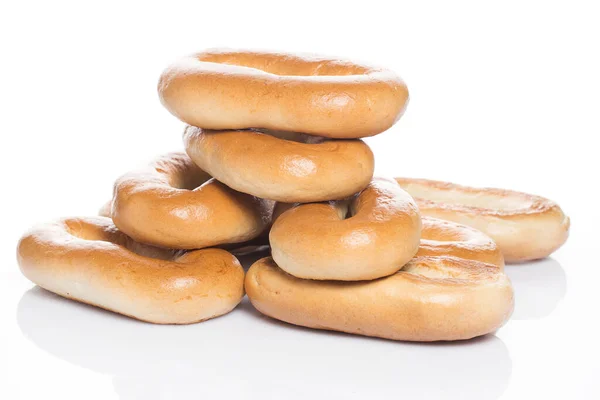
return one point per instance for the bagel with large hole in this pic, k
(282, 166)
(369, 236)
(238, 89)
(525, 227)
(174, 204)
(434, 297)
(91, 261)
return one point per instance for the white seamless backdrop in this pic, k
(503, 94)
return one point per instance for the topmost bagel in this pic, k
(233, 89)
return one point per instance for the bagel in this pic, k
(525, 227)
(433, 298)
(229, 89)
(174, 204)
(89, 260)
(258, 244)
(282, 166)
(372, 235)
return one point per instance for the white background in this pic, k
(503, 94)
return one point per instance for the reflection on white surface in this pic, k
(539, 287)
(247, 355)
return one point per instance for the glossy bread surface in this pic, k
(238, 89)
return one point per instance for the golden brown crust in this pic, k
(174, 204)
(90, 260)
(447, 238)
(287, 169)
(259, 243)
(525, 227)
(434, 297)
(228, 89)
(338, 240)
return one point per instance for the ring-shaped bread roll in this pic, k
(282, 166)
(525, 227)
(174, 204)
(228, 89)
(91, 261)
(259, 243)
(372, 235)
(434, 297)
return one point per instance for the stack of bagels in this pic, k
(274, 157)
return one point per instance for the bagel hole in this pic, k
(180, 172)
(189, 180)
(344, 208)
(457, 197)
(297, 137)
(287, 65)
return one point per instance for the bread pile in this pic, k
(274, 156)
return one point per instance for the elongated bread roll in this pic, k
(91, 261)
